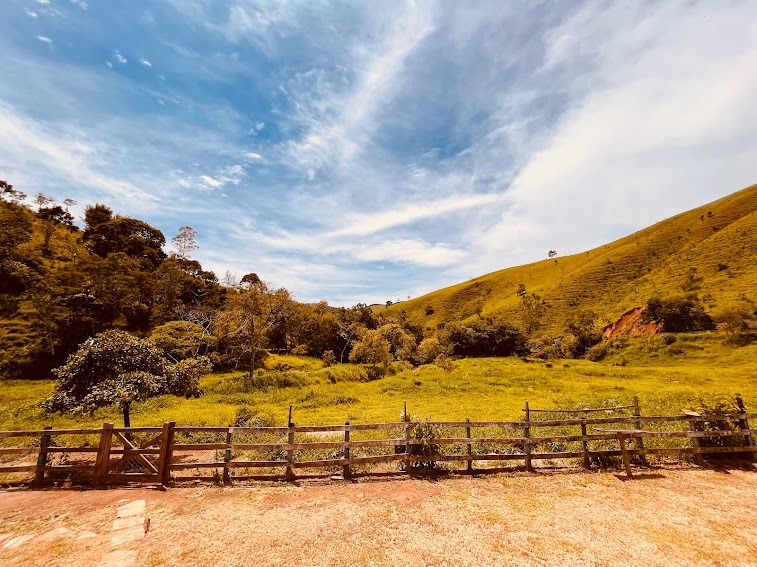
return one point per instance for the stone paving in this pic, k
(130, 525)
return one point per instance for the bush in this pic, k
(678, 314)
(329, 358)
(598, 351)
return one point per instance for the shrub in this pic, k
(329, 358)
(678, 314)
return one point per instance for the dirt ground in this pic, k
(665, 517)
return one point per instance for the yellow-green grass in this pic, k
(479, 389)
(710, 251)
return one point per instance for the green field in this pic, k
(666, 378)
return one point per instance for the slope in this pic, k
(710, 251)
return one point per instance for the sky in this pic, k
(364, 151)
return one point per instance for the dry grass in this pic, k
(674, 517)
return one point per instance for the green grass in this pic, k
(666, 380)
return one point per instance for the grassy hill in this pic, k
(710, 251)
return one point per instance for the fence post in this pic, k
(585, 443)
(408, 461)
(227, 457)
(744, 424)
(637, 425)
(39, 473)
(103, 454)
(166, 451)
(470, 446)
(695, 425)
(346, 471)
(527, 442)
(290, 452)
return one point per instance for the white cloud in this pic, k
(44, 39)
(109, 64)
(43, 2)
(369, 223)
(145, 62)
(32, 14)
(119, 58)
(650, 138)
(33, 147)
(338, 124)
(409, 251)
(210, 182)
(252, 155)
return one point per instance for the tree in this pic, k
(679, 314)
(53, 218)
(531, 309)
(115, 367)
(249, 314)
(402, 344)
(132, 237)
(180, 339)
(372, 348)
(184, 242)
(9, 194)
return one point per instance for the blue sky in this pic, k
(365, 151)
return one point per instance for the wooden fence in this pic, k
(160, 455)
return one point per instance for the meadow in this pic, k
(666, 377)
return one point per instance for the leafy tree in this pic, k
(53, 218)
(115, 367)
(181, 339)
(372, 348)
(483, 337)
(583, 327)
(15, 228)
(679, 314)
(402, 344)
(97, 214)
(430, 349)
(249, 314)
(532, 310)
(132, 237)
(9, 194)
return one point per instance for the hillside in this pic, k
(710, 251)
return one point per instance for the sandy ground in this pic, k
(666, 517)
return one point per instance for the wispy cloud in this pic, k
(44, 39)
(145, 62)
(119, 58)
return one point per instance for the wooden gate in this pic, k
(133, 455)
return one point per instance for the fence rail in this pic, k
(162, 454)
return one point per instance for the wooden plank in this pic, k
(199, 447)
(166, 440)
(227, 457)
(214, 429)
(290, 452)
(167, 457)
(346, 469)
(469, 446)
(526, 443)
(134, 453)
(39, 477)
(637, 424)
(73, 449)
(126, 478)
(124, 430)
(317, 464)
(695, 426)
(744, 423)
(377, 459)
(185, 466)
(128, 451)
(558, 455)
(39, 432)
(585, 446)
(586, 410)
(475, 424)
(18, 450)
(255, 464)
(78, 467)
(103, 455)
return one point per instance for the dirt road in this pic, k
(671, 517)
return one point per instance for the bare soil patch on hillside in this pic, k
(677, 516)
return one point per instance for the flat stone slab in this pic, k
(119, 558)
(17, 541)
(128, 535)
(136, 508)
